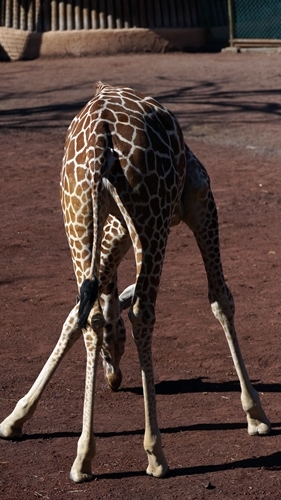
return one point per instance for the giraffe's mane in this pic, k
(98, 87)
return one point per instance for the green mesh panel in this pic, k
(257, 19)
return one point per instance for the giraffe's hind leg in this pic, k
(115, 244)
(11, 427)
(81, 469)
(149, 254)
(200, 215)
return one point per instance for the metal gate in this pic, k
(255, 22)
(52, 15)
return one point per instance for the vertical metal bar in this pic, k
(86, 15)
(102, 16)
(231, 22)
(119, 14)
(110, 15)
(54, 25)
(46, 16)
(15, 14)
(9, 14)
(127, 14)
(77, 15)
(23, 12)
(61, 16)
(69, 15)
(38, 16)
(30, 16)
(94, 15)
(135, 14)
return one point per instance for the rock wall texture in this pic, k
(16, 44)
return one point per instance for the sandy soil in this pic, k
(229, 106)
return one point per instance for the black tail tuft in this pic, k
(88, 296)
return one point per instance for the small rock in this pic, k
(208, 485)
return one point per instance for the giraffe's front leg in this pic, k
(200, 214)
(11, 427)
(222, 305)
(142, 331)
(81, 470)
(257, 420)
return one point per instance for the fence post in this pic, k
(61, 16)
(54, 23)
(38, 16)
(77, 15)
(22, 14)
(8, 14)
(15, 14)
(231, 22)
(69, 16)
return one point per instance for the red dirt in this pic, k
(229, 106)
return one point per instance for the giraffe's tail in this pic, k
(88, 296)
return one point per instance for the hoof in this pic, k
(157, 464)
(80, 477)
(114, 380)
(12, 433)
(159, 471)
(256, 428)
(258, 423)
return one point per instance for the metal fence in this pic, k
(255, 19)
(52, 15)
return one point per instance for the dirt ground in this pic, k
(229, 106)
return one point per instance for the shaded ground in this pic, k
(229, 106)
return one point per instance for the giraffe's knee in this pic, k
(222, 304)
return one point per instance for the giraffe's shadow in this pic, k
(173, 387)
(210, 426)
(182, 386)
(185, 386)
(267, 462)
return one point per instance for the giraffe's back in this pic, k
(134, 141)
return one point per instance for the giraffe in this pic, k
(127, 177)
